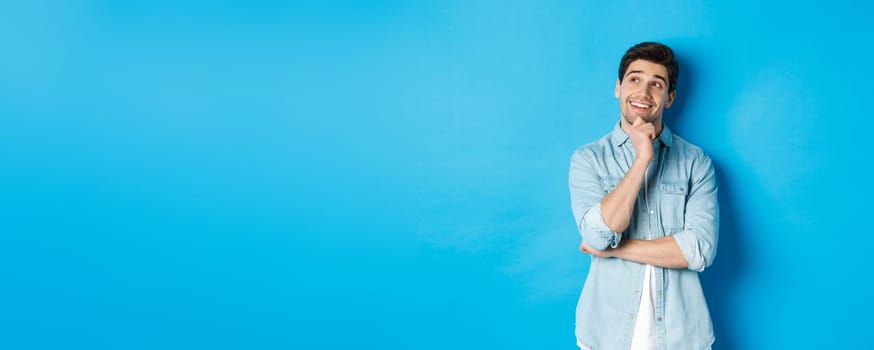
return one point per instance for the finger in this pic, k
(649, 130)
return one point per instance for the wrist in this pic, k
(643, 160)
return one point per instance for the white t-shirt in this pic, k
(644, 328)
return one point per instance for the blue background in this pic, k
(393, 174)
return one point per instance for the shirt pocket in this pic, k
(673, 206)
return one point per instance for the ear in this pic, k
(618, 84)
(671, 97)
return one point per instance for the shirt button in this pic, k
(659, 319)
(652, 212)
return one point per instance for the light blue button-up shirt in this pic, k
(680, 187)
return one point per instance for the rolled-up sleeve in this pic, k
(586, 194)
(699, 237)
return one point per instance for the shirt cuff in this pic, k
(595, 230)
(688, 243)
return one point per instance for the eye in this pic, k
(633, 79)
(657, 84)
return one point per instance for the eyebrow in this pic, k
(642, 72)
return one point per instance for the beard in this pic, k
(630, 117)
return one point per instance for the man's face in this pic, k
(643, 92)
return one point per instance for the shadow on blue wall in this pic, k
(720, 279)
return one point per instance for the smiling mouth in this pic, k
(640, 105)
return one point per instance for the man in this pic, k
(645, 204)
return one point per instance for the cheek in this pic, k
(623, 93)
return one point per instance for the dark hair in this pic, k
(655, 53)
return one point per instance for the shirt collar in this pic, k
(620, 137)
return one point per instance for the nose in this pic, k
(646, 90)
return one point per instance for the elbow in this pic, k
(596, 232)
(597, 237)
(697, 253)
(708, 259)
(706, 255)
(701, 262)
(598, 243)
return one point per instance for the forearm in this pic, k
(662, 252)
(618, 205)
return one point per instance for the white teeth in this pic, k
(639, 105)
